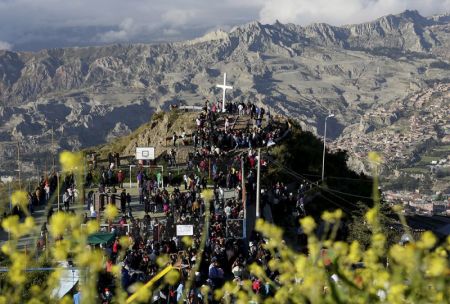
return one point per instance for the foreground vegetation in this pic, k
(331, 270)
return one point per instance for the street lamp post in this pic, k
(324, 145)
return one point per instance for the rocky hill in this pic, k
(90, 95)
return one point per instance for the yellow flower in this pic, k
(332, 217)
(372, 215)
(172, 277)
(378, 241)
(272, 232)
(35, 290)
(162, 260)
(116, 269)
(300, 264)
(340, 248)
(441, 252)
(404, 255)
(381, 279)
(375, 158)
(92, 226)
(397, 208)
(427, 240)
(354, 256)
(125, 242)
(61, 250)
(65, 300)
(7, 248)
(71, 161)
(19, 198)
(91, 259)
(436, 266)
(142, 294)
(111, 212)
(187, 241)
(208, 194)
(12, 225)
(59, 223)
(308, 224)
(396, 293)
(16, 272)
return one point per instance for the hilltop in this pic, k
(155, 133)
(158, 131)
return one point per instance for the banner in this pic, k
(145, 153)
(185, 230)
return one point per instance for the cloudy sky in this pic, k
(37, 24)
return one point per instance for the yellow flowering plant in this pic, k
(331, 271)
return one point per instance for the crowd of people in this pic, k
(220, 150)
(218, 153)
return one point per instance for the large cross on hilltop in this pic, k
(224, 87)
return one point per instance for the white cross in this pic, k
(224, 87)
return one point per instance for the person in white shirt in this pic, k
(92, 210)
(227, 211)
(227, 124)
(47, 192)
(66, 200)
(241, 109)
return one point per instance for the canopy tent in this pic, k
(100, 238)
(69, 277)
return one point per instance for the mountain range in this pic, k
(77, 97)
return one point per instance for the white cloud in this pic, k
(338, 12)
(5, 45)
(179, 17)
(43, 23)
(127, 29)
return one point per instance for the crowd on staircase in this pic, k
(220, 150)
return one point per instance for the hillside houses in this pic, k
(398, 142)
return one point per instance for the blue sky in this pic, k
(37, 24)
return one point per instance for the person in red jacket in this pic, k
(120, 178)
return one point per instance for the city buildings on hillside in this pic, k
(418, 203)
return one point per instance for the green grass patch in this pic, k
(416, 170)
(427, 159)
(445, 148)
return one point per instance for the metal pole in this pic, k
(258, 181)
(130, 175)
(10, 199)
(244, 198)
(57, 187)
(324, 147)
(162, 176)
(10, 206)
(209, 167)
(18, 164)
(53, 150)
(223, 96)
